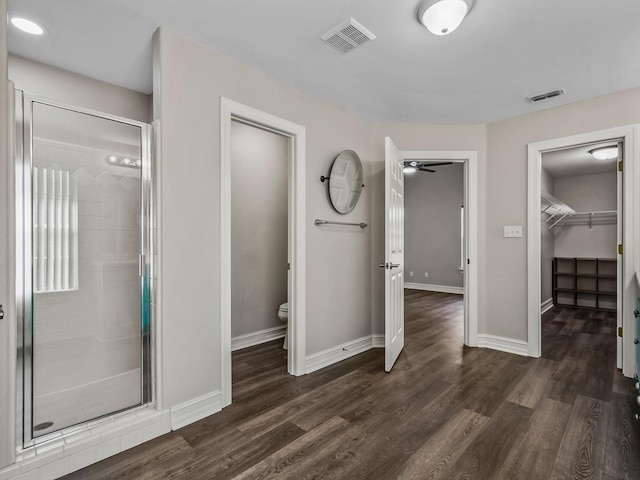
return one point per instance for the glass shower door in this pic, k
(85, 321)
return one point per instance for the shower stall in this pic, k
(83, 270)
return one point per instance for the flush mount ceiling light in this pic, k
(442, 17)
(28, 26)
(604, 153)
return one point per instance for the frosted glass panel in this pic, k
(85, 208)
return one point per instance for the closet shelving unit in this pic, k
(560, 214)
(585, 283)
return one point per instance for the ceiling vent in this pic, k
(545, 96)
(347, 36)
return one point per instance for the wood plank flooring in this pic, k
(445, 412)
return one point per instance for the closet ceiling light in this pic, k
(442, 17)
(604, 153)
(409, 169)
(27, 26)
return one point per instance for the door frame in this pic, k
(630, 135)
(230, 111)
(469, 158)
(22, 158)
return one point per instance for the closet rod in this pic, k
(319, 222)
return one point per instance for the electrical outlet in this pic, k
(513, 231)
(411, 274)
(426, 274)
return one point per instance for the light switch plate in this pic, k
(513, 231)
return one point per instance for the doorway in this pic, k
(295, 135)
(394, 299)
(606, 281)
(259, 238)
(83, 269)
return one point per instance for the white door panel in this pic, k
(394, 254)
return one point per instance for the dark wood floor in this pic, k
(445, 412)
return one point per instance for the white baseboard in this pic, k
(503, 344)
(546, 305)
(434, 288)
(341, 352)
(377, 341)
(196, 409)
(256, 338)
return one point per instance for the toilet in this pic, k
(283, 314)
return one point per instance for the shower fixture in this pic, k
(123, 161)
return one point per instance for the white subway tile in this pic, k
(32, 475)
(152, 431)
(39, 460)
(55, 469)
(131, 439)
(80, 442)
(9, 472)
(108, 449)
(82, 459)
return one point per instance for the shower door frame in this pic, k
(24, 259)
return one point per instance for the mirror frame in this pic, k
(353, 156)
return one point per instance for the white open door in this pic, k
(620, 263)
(393, 254)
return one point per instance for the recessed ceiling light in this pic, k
(442, 17)
(27, 26)
(604, 153)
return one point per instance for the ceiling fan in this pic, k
(410, 167)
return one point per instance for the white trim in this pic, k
(84, 445)
(342, 352)
(435, 288)
(297, 235)
(196, 409)
(470, 161)
(503, 344)
(377, 341)
(546, 305)
(257, 338)
(630, 134)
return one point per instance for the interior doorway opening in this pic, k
(295, 137)
(395, 257)
(628, 146)
(581, 228)
(435, 233)
(259, 244)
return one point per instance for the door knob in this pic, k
(636, 313)
(383, 265)
(1, 312)
(394, 265)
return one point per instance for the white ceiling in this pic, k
(577, 161)
(505, 50)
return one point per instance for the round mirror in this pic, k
(345, 181)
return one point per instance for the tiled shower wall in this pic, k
(93, 332)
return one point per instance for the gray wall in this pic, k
(506, 189)
(546, 245)
(423, 137)
(432, 226)
(50, 82)
(6, 229)
(189, 80)
(587, 193)
(259, 228)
